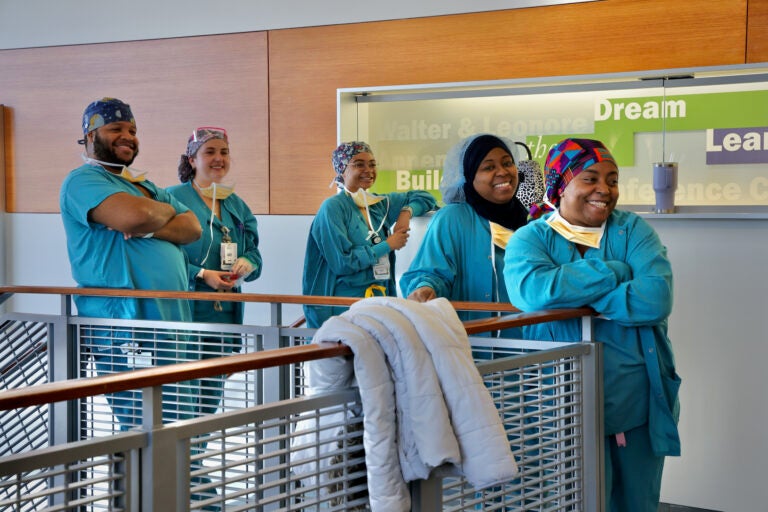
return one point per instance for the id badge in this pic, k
(381, 269)
(228, 255)
(136, 357)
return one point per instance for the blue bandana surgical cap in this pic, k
(104, 111)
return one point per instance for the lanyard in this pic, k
(371, 233)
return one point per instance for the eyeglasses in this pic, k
(360, 165)
(209, 132)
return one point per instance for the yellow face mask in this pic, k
(500, 235)
(363, 198)
(133, 175)
(582, 235)
(216, 190)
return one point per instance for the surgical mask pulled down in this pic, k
(127, 173)
(215, 190)
(582, 235)
(362, 198)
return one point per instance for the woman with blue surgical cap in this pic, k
(462, 255)
(354, 236)
(581, 251)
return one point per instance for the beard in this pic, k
(103, 151)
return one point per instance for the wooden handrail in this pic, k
(534, 317)
(158, 375)
(80, 388)
(232, 297)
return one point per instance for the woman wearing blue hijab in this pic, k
(462, 255)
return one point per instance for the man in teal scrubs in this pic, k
(124, 232)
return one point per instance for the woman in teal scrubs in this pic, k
(462, 255)
(581, 251)
(227, 222)
(354, 236)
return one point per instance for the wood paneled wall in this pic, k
(2, 160)
(598, 37)
(276, 91)
(172, 85)
(757, 31)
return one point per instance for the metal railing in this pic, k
(239, 450)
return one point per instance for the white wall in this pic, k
(36, 254)
(718, 330)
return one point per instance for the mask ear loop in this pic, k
(90, 160)
(548, 202)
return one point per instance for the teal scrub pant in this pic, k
(632, 473)
(117, 350)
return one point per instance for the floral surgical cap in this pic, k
(202, 135)
(343, 154)
(564, 162)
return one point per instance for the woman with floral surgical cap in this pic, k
(583, 252)
(462, 255)
(227, 221)
(354, 236)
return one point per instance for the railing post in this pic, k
(594, 446)
(587, 324)
(275, 313)
(164, 481)
(63, 418)
(427, 495)
(62, 366)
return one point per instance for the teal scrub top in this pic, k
(102, 258)
(455, 260)
(205, 252)
(340, 255)
(628, 281)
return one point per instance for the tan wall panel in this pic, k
(307, 65)
(172, 85)
(3, 143)
(757, 31)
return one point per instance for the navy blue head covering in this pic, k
(104, 111)
(511, 215)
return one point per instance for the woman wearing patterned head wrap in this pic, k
(351, 244)
(587, 253)
(462, 254)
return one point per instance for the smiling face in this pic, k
(591, 196)
(360, 172)
(211, 162)
(114, 143)
(496, 178)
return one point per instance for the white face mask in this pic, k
(127, 173)
(582, 235)
(216, 190)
